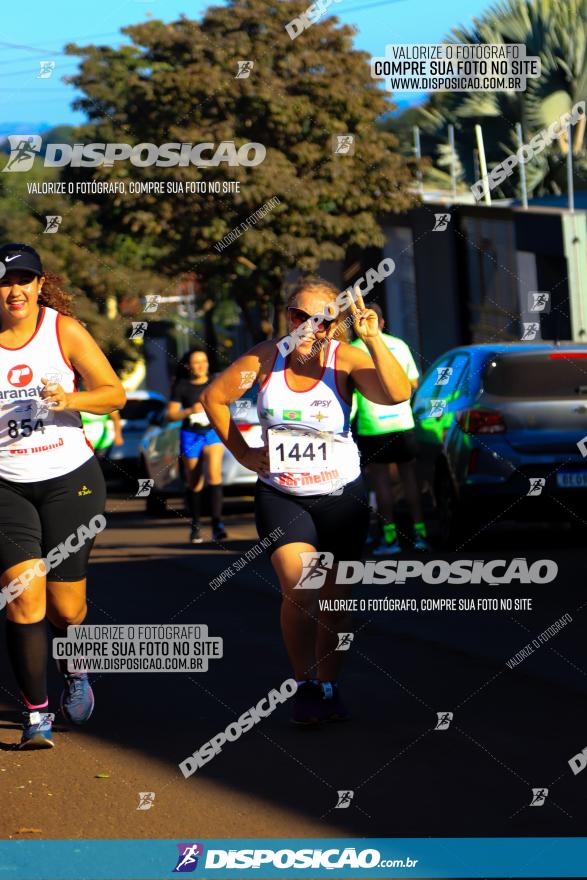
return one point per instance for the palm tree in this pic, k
(556, 32)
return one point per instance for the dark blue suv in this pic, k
(503, 434)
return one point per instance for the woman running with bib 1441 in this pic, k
(310, 487)
(52, 492)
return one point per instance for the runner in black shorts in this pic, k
(52, 492)
(310, 496)
(200, 447)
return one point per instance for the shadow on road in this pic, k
(512, 730)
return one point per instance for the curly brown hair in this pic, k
(53, 295)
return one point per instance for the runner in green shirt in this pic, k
(386, 440)
(102, 431)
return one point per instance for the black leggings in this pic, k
(335, 523)
(36, 518)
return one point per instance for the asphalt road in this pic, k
(512, 729)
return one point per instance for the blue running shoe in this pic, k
(306, 704)
(77, 699)
(332, 708)
(37, 732)
(387, 548)
(421, 544)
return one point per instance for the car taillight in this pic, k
(481, 421)
(244, 426)
(473, 458)
(566, 355)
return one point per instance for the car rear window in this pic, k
(548, 374)
(141, 409)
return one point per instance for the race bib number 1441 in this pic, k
(298, 452)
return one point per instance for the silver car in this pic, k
(141, 410)
(159, 458)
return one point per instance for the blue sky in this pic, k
(42, 31)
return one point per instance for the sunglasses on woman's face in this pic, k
(320, 322)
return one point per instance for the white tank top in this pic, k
(36, 443)
(320, 409)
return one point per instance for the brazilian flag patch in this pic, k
(292, 415)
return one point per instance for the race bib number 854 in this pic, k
(293, 451)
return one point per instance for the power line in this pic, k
(53, 51)
(371, 5)
(29, 48)
(29, 71)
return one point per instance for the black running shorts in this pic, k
(37, 518)
(394, 446)
(334, 523)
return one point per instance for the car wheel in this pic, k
(454, 523)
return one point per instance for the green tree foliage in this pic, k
(74, 253)
(176, 83)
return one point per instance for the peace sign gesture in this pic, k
(365, 321)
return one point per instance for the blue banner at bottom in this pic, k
(369, 858)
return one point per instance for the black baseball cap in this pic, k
(20, 256)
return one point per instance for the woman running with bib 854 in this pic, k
(310, 486)
(52, 492)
